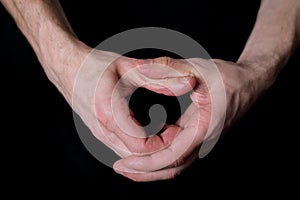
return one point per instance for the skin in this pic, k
(274, 38)
(108, 115)
(61, 55)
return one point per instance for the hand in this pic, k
(272, 41)
(61, 54)
(98, 94)
(203, 120)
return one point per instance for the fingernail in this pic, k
(122, 169)
(183, 80)
(119, 171)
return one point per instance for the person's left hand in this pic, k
(217, 99)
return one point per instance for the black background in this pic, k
(259, 153)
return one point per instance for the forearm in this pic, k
(274, 38)
(47, 30)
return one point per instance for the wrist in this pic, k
(49, 33)
(61, 63)
(263, 69)
(61, 55)
(243, 83)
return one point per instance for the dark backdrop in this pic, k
(259, 153)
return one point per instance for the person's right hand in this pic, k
(97, 91)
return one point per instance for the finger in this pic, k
(146, 146)
(173, 86)
(157, 77)
(163, 174)
(153, 68)
(116, 117)
(174, 76)
(110, 105)
(200, 69)
(122, 118)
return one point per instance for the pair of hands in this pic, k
(274, 38)
(98, 95)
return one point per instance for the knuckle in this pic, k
(179, 162)
(124, 64)
(127, 63)
(139, 148)
(146, 145)
(173, 173)
(164, 61)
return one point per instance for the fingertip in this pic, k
(122, 166)
(170, 132)
(119, 167)
(182, 85)
(116, 167)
